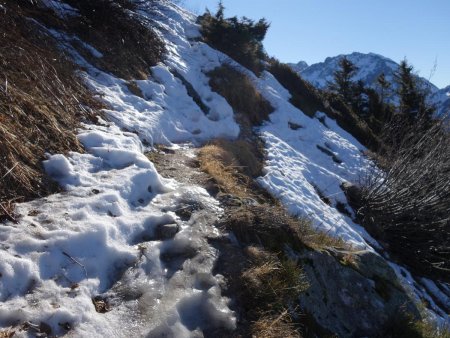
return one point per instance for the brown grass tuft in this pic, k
(240, 93)
(42, 101)
(232, 164)
(270, 285)
(271, 326)
(9, 333)
(274, 228)
(266, 281)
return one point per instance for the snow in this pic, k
(370, 66)
(101, 236)
(296, 167)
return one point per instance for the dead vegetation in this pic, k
(266, 280)
(232, 164)
(7, 333)
(408, 204)
(240, 93)
(124, 44)
(42, 101)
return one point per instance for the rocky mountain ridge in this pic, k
(370, 66)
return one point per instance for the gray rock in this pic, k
(353, 294)
(167, 231)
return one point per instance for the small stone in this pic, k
(45, 328)
(167, 231)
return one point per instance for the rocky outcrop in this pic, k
(353, 294)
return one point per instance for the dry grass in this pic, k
(272, 226)
(270, 326)
(129, 46)
(240, 93)
(270, 286)
(265, 281)
(274, 282)
(232, 164)
(42, 101)
(7, 333)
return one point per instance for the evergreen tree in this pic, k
(220, 11)
(343, 84)
(384, 87)
(384, 111)
(240, 38)
(413, 105)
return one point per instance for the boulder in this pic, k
(353, 294)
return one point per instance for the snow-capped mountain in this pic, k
(370, 66)
(441, 99)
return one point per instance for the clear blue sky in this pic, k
(311, 30)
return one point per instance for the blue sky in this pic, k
(311, 30)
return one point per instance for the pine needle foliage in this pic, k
(239, 38)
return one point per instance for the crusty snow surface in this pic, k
(100, 236)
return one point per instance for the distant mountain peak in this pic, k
(370, 66)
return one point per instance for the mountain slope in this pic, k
(123, 251)
(370, 66)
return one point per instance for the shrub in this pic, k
(351, 122)
(410, 200)
(241, 39)
(303, 95)
(240, 93)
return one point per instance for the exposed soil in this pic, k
(182, 165)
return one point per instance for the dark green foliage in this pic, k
(413, 111)
(310, 100)
(384, 86)
(343, 84)
(241, 39)
(304, 96)
(240, 93)
(413, 104)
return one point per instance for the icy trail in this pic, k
(115, 235)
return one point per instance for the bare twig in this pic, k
(76, 262)
(10, 170)
(8, 215)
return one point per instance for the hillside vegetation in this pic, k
(43, 100)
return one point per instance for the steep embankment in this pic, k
(125, 252)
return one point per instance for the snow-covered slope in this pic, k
(441, 99)
(370, 66)
(114, 233)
